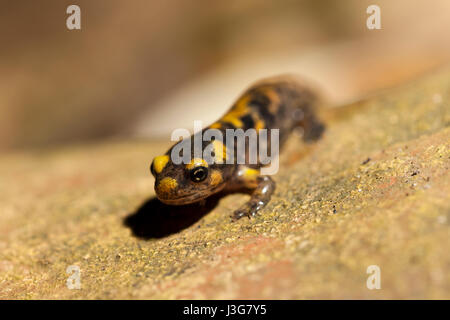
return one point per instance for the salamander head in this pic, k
(179, 184)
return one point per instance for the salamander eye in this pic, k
(199, 174)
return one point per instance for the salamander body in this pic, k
(281, 103)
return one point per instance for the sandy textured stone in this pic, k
(374, 191)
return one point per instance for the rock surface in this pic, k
(374, 191)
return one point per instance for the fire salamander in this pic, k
(275, 103)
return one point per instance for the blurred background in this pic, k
(143, 68)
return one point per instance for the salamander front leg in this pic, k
(263, 188)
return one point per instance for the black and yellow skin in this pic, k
(275, 103)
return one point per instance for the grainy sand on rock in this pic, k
(374, 191)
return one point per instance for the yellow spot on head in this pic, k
(159, 163)
(166, 185)
(216, 177)
(196, 162)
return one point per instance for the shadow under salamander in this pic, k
(154, 219)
